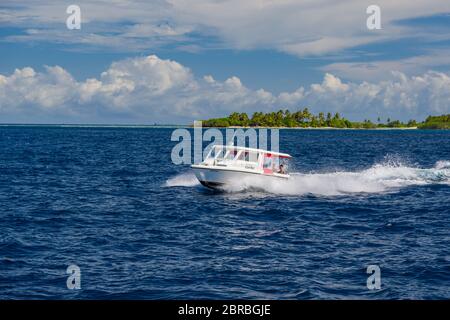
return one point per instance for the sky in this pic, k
(175, 61)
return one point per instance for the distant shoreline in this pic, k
(315, 128)
(92, 125)
(304, 119)
(181, 126)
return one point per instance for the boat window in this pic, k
(276, 162)
(267, 163)
(252, 157)
(217, 153)
(210, 154)
(248, 156)
(241, 156)
(230, 154)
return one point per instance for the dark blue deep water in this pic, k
(110, 201)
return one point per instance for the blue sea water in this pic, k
(139, 227)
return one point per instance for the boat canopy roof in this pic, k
(266, 152)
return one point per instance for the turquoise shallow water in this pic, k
(110, 201)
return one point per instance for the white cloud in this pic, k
(401, 97)
(307, 27)
(381, 69)
(304, 28)
(150, 89)
(330, 83)
(52, 89)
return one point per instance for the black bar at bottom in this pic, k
(224, 309)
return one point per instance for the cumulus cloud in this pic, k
(330, 83)
(51, 89)
(150, 89)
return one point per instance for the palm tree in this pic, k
(306, 114)
(321, 119)
(243, 119)
(329, 119)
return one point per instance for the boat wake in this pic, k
(385, 177)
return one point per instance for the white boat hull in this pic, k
(218, 178)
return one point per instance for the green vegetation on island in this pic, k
(436, 122)
(305, 119)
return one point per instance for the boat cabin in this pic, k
(247, 159)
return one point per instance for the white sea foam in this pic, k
(384, 177)
(182, 180)
(442, 165)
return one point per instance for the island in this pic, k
(305, 119)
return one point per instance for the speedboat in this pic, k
(233, 165)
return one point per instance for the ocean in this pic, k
(110, 201)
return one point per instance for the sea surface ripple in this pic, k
(139, 227)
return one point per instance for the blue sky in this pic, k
(176, 61)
